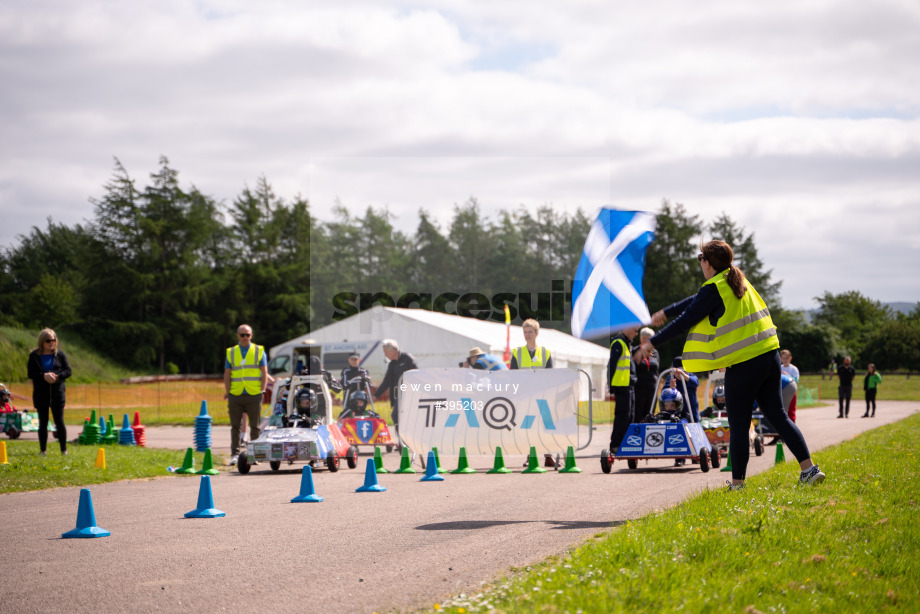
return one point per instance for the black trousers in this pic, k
(58, 414)
(623, 413)
(844, 394)
(758, 379)
(870, 398)
(643, 405)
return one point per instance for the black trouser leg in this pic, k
(57, 413)
(758, 379)
(623, 413)
(42, 428)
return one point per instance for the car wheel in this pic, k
(352, 457)
(632, 463)
(606, 462)
(13, 433)
(332, 461)
(758, 446)
(275, 465)
(715, 459)
(389, 449)
(704, 461)
(242, 464)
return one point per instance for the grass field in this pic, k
(847, 545)
(29, 471)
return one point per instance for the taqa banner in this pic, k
(481, 410)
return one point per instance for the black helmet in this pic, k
(4, 394)
(304, 401)
(357, 401)
(718, 397)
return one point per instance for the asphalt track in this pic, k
(409, 547)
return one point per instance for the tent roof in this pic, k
(488, 335)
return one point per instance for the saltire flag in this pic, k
(607, 291)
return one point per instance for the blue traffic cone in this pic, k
(370, 479)
(307, 491)
(126, 433)
(205, 507)
(86, 519)
(431, 470)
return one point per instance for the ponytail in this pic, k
(719, 255)
(735, 279)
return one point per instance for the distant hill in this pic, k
(88, 366)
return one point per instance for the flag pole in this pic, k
(507, 356)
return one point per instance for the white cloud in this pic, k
(783, 115)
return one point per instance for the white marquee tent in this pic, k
(443, 340)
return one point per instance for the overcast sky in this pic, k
(798, 118)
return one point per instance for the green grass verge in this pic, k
(848, 545)
(893, 388)
(29, 471)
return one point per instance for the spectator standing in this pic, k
(646, 378)
(792, 371)
(245, 378)
(621, 373)
(47, 367)
(846, 373)
(531, 355)
(870, 385)
(400, 362)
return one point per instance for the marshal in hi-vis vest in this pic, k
(744, 331)
(245, 372)
(621, 371)
(524, 361)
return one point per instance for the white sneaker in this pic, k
(732, 486)
(812, 476)
(233, 459)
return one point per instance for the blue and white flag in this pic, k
(607, 290)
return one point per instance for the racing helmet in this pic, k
(718, 397)
(4, 394)
(304, 401)
(671, 395)
(357, 401)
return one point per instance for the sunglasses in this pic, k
(700, 257)
(244, 334)
(50, 340)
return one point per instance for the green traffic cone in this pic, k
(780, 455)
(207, 467)
(728, 465)
(463, 465)
(570, 462)
(499, 466)
(82, 437)
(533, 464)
(405, 463)
(188, 465)
(437, 458)
(111, 433)
(378, 461)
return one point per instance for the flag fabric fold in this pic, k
(607, 291)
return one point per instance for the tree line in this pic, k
(162, 274)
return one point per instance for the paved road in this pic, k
(409, 547)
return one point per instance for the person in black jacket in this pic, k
(646, 378)
(48, 368)
(400, 362)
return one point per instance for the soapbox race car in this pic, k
(299, 428)
(359, 423)
(664, 435)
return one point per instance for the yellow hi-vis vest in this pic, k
(621, 371)
(524, 361)
(743, 332)
(245, 372)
